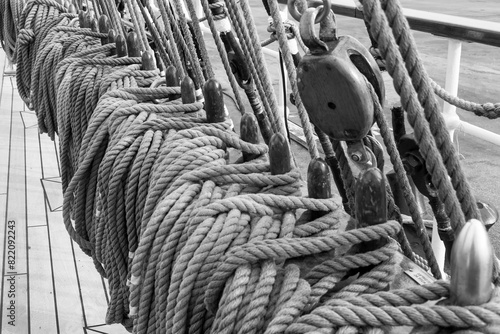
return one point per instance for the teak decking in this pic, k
(53, 286)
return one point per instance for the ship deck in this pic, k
(48, 284)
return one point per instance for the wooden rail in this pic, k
(454, 27)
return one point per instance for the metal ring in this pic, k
(326, 4)
(157, 83)
(323, 13)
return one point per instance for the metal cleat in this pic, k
(471, 266)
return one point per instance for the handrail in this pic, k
(443, 25)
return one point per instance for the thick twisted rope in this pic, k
(428, 147)
(490, 110)
(10, 12)
(290, 67)
(175, 226)
(223, 54)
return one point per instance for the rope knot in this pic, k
(215, 5)
(288, 30)
(491, 110)
(26, 36)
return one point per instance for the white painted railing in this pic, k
(458, 30)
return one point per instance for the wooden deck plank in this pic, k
(72, 268)
(71, 313)
(92, 291)
(43, 313)
(6, 95)
(34, 189)
(57, 288)
(14, 313)
(50, 164)
(42, 305)
(67, 290)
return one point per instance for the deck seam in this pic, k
(26, 209)
(6, 205)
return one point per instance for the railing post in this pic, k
(451, 85)
(452, 122)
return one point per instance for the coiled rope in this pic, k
(190, 239)
(10, 12)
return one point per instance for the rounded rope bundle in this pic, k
(189, 240)
(10, 12)
(59, 45)
(125, 127)
(32, 21)
(84, 82)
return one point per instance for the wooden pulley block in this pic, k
(334, 78)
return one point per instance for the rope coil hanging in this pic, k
(192, 239)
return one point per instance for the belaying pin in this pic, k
(94, 25)
(318, 182)
(214, 102)
(280, 157)
(471, 266)
(103, 23)
(112, 39)
(333, 79)
(72, 9)
(81, 18)
(172, 80)
(148, 61)
(121, 46)
(188, 92)
(133, 45)
(249, 132)
(89, 16)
